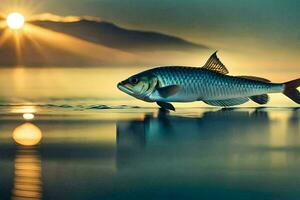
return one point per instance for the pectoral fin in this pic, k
(260, 99)
(166, 105)
(168, 90)
(227, 102)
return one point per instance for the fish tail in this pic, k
(290, 90)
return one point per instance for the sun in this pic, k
(15, 20)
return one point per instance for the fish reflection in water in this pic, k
(226, 138)
(158, 155)
(167, 127)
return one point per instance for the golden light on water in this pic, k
(15, 20)
(27, 134)
(28, 116)
(27, 168)
(27, 175)
(25, 109)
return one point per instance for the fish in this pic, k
(209, 83)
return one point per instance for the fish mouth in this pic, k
(123, 88)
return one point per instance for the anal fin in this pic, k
(227, 102)
(260, 99)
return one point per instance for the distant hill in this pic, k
(91, 43)
(110, 35)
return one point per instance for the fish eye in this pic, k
(134, 80)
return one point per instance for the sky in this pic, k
(257, 28)
(192, 18)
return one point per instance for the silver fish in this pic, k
(209, 84)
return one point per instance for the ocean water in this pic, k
(70, 134)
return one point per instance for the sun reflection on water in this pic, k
(27, 134)
(28, 116)
(27, 172)
(27, 176)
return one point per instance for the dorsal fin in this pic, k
(214, 64)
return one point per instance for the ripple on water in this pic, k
(90, 107)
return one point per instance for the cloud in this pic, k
(59, 18)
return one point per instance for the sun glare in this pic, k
(15, 20)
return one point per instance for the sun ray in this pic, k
(75, 45)
(3, 24)
(35, 43)
(38, 39)
(18, 46)
(4, 36)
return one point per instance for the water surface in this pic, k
(70, 134)
(141, 153)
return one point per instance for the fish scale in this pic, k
(203, 84)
